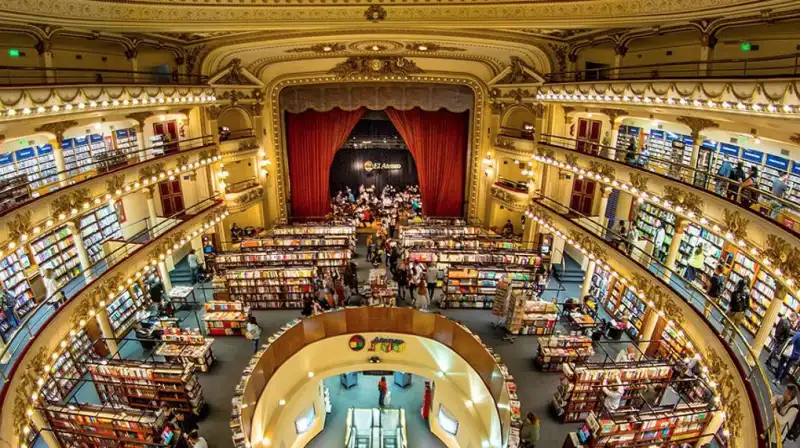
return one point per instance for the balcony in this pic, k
(37, 76)
(242, 195)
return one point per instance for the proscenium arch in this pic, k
(278, 128)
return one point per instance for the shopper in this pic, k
(783, 331)
(508, 229)
(724, 172)
(627, 355)
(780, 187)
(156, 290)
(236, 233)
(423, 301)
(631, 240)
(789, 357)
(737, 176)
(394, 256)
(194, 266)
(308, 306)
(187, 422)
(695, 263)
(253, 332)
(785, 407)
(630, 153)
(748, 190)
(432, 277)
(714, 291)
(51, 285)
(382, 389)
(529, 434)
(8, 302)
(621, 237)
(740, 303)
(401, 277)
(195, 441)
(370, 248)
(613, 393)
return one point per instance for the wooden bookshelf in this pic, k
(327, 259)
(90, 425)
(69, 368)
(645, 427)
(554, 351)
(225, 318)
(271, 288)
(474, 286)
(147, 385)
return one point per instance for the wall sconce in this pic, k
(488, 163)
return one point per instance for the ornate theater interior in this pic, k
(406, 223)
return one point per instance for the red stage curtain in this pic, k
(438, 142)
(313, 139)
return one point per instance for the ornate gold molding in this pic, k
(116, 183)
(602, 169)
(697, 125)
(375, 13)
(679, 196)
(582, 240)
(735, 223)
(374, 67)
(512, 200)
(20, 225)
(140, 117)
(323, 48)
(784, 257)
(67, 203)
(571, 159)
(57, 128)
(638, 180)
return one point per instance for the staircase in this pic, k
(572, 272)
(181, 275)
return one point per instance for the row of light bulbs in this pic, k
(109, 198)
(643, 196)
(80, 106)
(686, 102)
(58, 352)
(605, 266)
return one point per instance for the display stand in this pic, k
(554, 351)
(531, 317)
(91, 425)
(179, 295)
(186, 347)
(271, 288)
(381, 289)
(225, 318)
(581, 387)
(147, 385)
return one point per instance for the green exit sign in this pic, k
(745, 46)
(13, 52)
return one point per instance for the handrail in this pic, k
(354, 320)
(707, 181)
(35, 322)
(693, 69)
(71, 75)
(739, 347)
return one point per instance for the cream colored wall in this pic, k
(683, 47)
(135, 206)
(25, 44)
(601, 54)
(501, 214)
(479, 424)
(66, 49)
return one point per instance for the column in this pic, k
(149, 193)
(620, 50)
(672, 255)
(61, 167)
(108, 331)
(604, 205)
(42, 425)
(46, 56)
(164, 272)
(768, 322)
(83, 256)
(696, 141)
(131, 55)
(648, 328)
(530, 233)
(538, 125)
(557, 252)
(707, 44)
(587, 281)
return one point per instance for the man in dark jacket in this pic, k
(715, 287)
(783, 330)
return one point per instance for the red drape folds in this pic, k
(312, 141)
(438, 142)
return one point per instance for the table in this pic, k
(180, 294)
(198, 354)
(582, 321)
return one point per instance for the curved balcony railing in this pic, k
(710, 182)
(28, 76)
(91, 167)
(708, 309)
(782, 66)
(408, 321)
(37, 319)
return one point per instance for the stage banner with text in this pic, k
(378, 167)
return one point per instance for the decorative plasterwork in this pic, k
(318, 48)
(117, 182)
(20, 225)
(374, 67)
(638, 180)
(57, 128)
(375, 46)
(375, 13)
(605, 170)
(473, 165)
(234, 74)
(431, 47)
(697, 124)
(735, 223)
(517, 72)
(402, 96)
(512, 200)
(685, 199)
(242, 200)
(581, 240)
(783, 256)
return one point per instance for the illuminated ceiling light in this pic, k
(756, 107)
(25, 111)
(115, 103)
(710, 103)
(771, 108)
(741, 106)
(726, 105)
(40, 109)
(55, 108)
(670, 101)
(135, 101)
(327, 48)
(104, 104)
(422, 48)
(787, 108)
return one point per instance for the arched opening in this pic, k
(234, 119)
(518, 121)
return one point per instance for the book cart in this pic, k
(527, 315)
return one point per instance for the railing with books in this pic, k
(81, 167)
(782, 66)
(697, 298)
(36, 320)
(28, 76)
(784, 211)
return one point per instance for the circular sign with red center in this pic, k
(357, 343)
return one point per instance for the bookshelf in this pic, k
(312, 229)
(69, 368)
(98, 227)
(186, 346)
(474, 286)
(77, 156)
(637, 307)
(295, 241)
(426, 231)
(146, 386)
(225, 318)
(613, 299)
(646, 427)
(271, 288)
(15, 280)
(56, 250)
(328, 259)
(742, 267)
(554, 351)
(498, 257)
(648, 220)
(624, 137)
(122, 309)
(713, 245)
(126, 141)
(581, 389)
(600, 286)
(91, 425)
